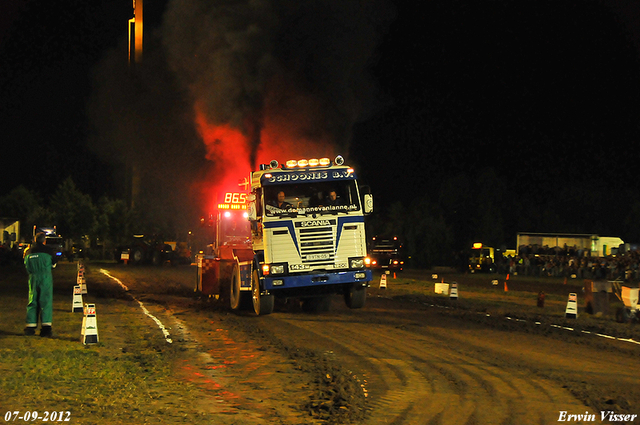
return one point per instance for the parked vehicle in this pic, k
(146, 250)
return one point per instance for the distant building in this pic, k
(598, 246)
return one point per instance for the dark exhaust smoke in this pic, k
(298, 64)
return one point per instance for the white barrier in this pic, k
(572, 306)
(89, 325)
(77, 305)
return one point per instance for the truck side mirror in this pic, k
(368, 203)
(251, 211)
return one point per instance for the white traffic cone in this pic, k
(454, 291)
(572, 306)
(383, 281)
(77, 305)
(89, 325)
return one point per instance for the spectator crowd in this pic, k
(533, 260)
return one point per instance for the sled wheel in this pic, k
(238, 300)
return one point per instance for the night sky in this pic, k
(546, 93)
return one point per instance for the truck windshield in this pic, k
(234, 229)
(336, 197)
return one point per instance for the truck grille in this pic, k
(316, 245)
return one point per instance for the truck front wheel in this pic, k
(355, 295)
(262, 304)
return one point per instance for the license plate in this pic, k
(317, 256)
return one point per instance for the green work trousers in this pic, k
(40, 289)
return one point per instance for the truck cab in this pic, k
(53, 240)
(482, 259)
(386, 253)
(308, 233)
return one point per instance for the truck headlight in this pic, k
(280, 268)
(356, 263)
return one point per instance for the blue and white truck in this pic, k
(307, 238)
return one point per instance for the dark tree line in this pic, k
(102, 225)
(437, 229)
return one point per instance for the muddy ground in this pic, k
(410, 356)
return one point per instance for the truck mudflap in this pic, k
(271, 283)
(208, 280)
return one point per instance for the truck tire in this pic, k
(238, 300)
(262, 304)
(355, 296)
(137, 256)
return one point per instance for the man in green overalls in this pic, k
(39, 261)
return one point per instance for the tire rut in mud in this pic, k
(414, 377)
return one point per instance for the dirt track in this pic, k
(401, 359)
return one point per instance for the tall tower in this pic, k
(135, 57)
(135, 27)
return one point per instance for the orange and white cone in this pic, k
(453, 294)
(383, 281)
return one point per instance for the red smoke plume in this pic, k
(231, 150)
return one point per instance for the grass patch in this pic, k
(126, 378)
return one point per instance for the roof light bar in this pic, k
(314, 162)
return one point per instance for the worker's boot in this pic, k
(29, 330)
(46, 332)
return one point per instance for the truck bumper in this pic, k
(316, 280)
